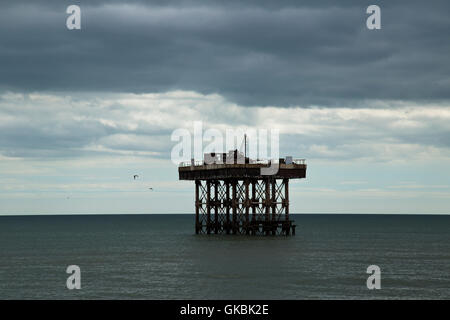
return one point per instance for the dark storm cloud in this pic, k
(253, 52)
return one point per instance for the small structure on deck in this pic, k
(235, 194)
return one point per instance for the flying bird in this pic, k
(150, 189)
(135, 176)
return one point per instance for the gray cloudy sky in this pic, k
(83, 111)
(251, 52)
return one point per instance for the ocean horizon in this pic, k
(158, 256)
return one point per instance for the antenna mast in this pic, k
(245, 145)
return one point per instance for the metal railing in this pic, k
(299, 161)
(265, 161)
(189, 163)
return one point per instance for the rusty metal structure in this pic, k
(234, 196)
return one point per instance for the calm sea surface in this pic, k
(159, 257)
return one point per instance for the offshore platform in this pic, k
(233, 195)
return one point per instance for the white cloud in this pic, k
(61, 125)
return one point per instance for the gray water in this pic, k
(159, 257)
